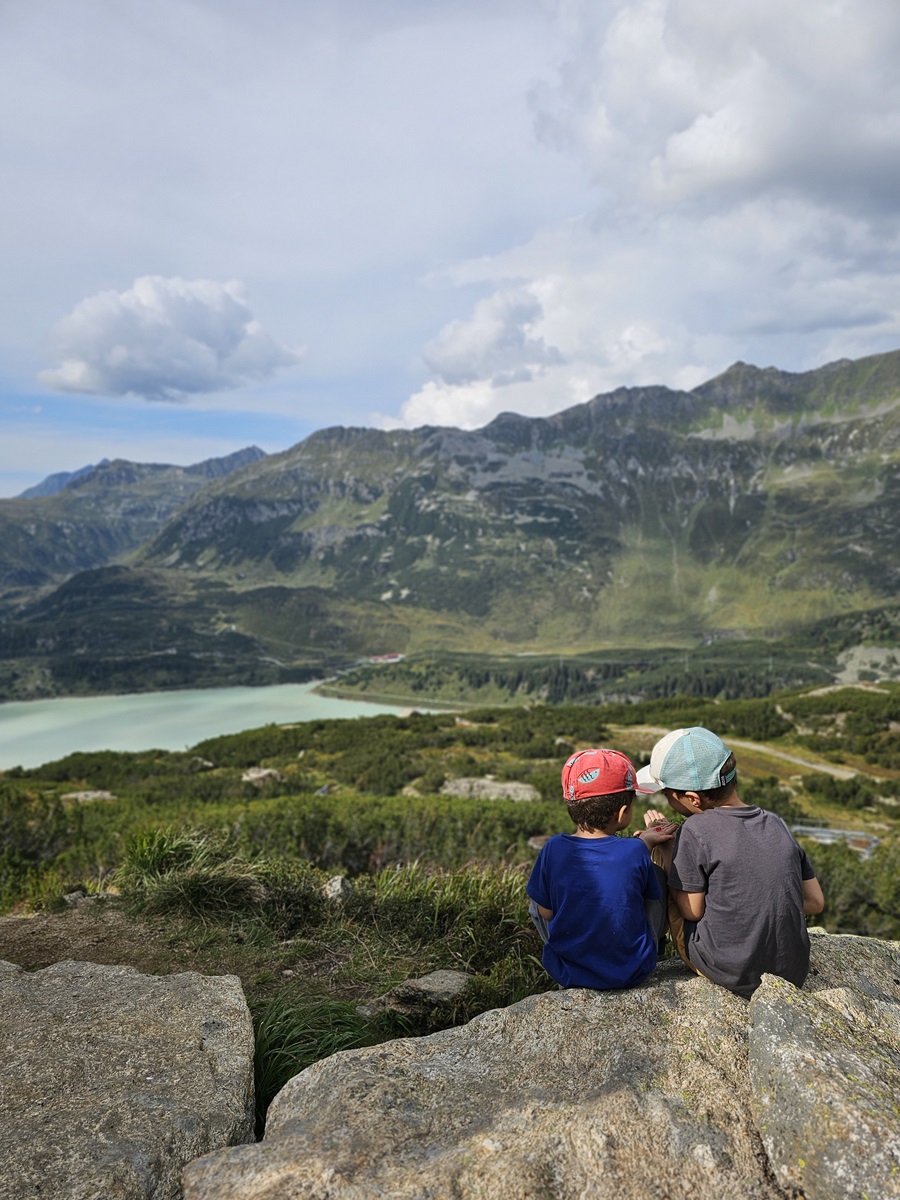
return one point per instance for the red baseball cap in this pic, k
(597, 773)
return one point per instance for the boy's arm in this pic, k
(813, 897)
(691, 905)
(537, 885)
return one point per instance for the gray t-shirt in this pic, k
(751, 869)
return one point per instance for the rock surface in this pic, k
(113, 1080)
(436, 990)
(825, 1073)
(641, 1095)
(488, 788)
(337, 889)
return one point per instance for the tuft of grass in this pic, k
(475, 913)
(295, 896)
(206, 893)
(155, 853)
(294, 1031)
(165, 872)
(169, 872)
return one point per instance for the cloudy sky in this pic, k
(227, 222)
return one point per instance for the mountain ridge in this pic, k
(97, 516)
(755, 504)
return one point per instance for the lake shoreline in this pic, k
(36, 732)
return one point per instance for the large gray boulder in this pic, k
(113, 1080)
(825, 1075)
(639, 1095)
(489, 788)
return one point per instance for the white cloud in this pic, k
(674, 100)
(610, 192)
(499, 342)
(163, 339)
(747, 164)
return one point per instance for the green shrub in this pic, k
(34, 831)
(862, 895)
(856, 792)
(768, 794)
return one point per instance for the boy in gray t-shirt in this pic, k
(739, 879)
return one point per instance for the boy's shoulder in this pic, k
(570, 843)
(723, 824)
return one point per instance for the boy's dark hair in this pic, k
(596, 812)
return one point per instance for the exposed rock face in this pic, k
(337, 889)
(825, 1071)
(632, 1095)
(261, 776)
(113, 1080)
(488, 788)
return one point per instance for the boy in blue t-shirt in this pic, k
(591, 893)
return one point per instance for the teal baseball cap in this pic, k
(687, 760)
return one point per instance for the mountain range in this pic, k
(759, 504)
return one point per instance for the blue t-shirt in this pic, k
(596, 888)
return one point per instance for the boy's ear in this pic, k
(693, 800)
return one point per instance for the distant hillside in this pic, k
(757, 502)
(95, 516)
(760, 504)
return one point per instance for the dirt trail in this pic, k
(657, 731)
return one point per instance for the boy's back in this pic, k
(751, 869)
(590, 892)
(596, 888)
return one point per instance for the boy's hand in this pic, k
(662, 832)
(654, 817)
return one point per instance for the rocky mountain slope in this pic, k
(755, 504)
(758, 500)
(96, 516)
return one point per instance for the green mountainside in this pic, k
(96, 517)
(761, 505)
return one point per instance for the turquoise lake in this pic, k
(38, 731)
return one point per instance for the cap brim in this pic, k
(644, 782)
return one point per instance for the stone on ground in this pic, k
(438, 990)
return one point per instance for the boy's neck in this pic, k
(733, 801)
(592, 833)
